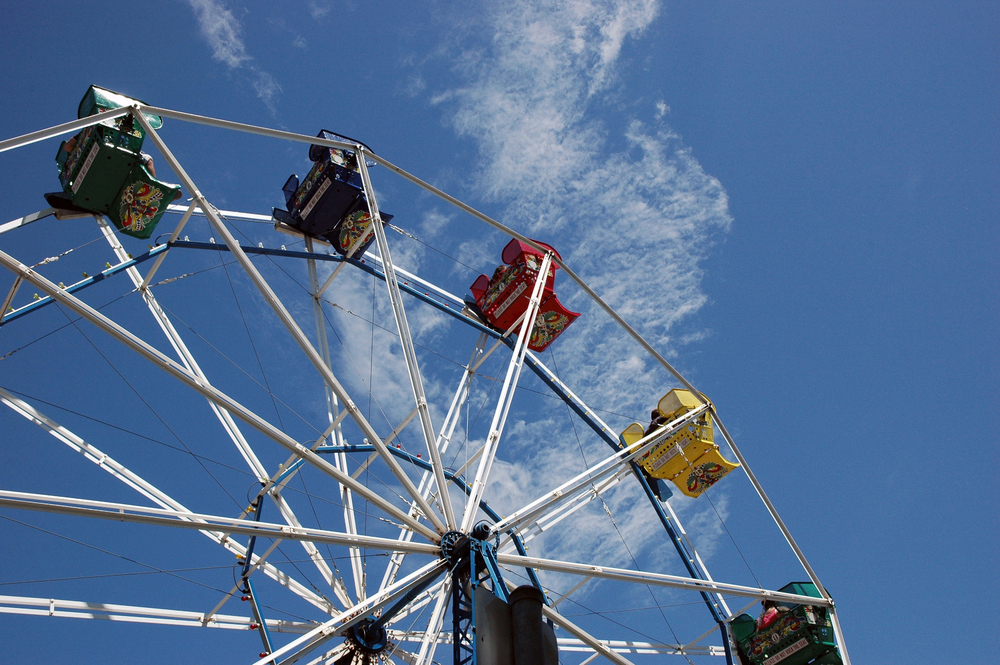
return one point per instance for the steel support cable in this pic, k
(240, 368)
(735, 544)
(153, 411)
(153, 570)
(62, 327)
(597, 494)
(228, 467)
(246, 327)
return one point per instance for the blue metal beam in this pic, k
(83, 284)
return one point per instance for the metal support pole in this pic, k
(335, 416)
(506, 397)
(406, 340)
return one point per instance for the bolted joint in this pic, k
(454, 547)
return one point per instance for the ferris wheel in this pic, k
(338, 460)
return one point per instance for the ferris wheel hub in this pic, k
(368, 638)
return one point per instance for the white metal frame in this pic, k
(420, 518)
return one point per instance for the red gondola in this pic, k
(503, 298)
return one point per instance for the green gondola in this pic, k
(797, 634)
(102, 169)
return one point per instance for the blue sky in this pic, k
(797, 204)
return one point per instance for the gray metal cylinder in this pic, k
(526, 625)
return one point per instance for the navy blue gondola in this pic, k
(330, 203)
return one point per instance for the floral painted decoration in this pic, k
(138, 206)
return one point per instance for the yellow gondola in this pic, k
(689, 457)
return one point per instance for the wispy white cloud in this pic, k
(661, 109)
(224, 34)
(266, 87)
(222, 30)
(634, 221)
(319, 8)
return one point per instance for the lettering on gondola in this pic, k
(786, 652)
(325, 185)
(521, 288)
(670, 454)
(85, 168)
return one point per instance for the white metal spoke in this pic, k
(133, 480)
(335, 416)
(288, 321)
(656, 579)
(640, 648)
(444, 439)
(75, 609)
(123, 512)
(572, 395)
(406, 341)
(206, 389)
(505, 399)
(568, 508)
(428, 646)
(64, 128)
(584, 636)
